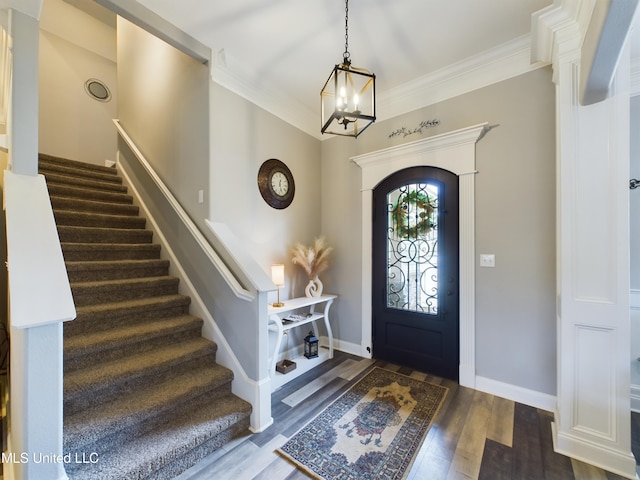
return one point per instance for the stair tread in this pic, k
(136, 366)
(125, 281)
(89, 425)
(101, 235)
(45, 158)
(141, 387)
(84, 216)
(72, 179)
(129, 304)
(82, 228)
(99, 340)
(164, 445)
(108, 246)
(91, 194)
(87, 205)
(95, 270)
(101, 264)
(51, 168)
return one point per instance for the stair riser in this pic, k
(147, 421)
(87, 194)
(139, 377)
(103, 235)
(95, 321)
(75, 253)
(82, 174)
(88, 295)
(78, 401)
(108, 273)
(76, 360)
(88, 184)
(80, 205)
(77, 219)
(46, 160)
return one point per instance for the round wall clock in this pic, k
(276, 184)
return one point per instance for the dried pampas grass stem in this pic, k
(313, 259)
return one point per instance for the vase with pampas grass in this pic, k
(313, 260)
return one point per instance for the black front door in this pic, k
(416, 270)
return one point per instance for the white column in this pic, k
(23, 110)
(467, 193)
(34, 443)
(592, 418)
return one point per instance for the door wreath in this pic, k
(411, 215)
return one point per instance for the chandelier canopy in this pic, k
(348, 98)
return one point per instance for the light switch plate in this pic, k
(487, 260)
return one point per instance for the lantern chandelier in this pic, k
(348, 99)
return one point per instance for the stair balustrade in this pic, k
(232, 299)
(39, 301)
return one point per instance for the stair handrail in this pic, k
(5, 70)
(40, 300)
(251, 377)
(32, 240)
(217, 262)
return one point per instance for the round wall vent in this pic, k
(97, 89)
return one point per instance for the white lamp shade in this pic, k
(277, 274)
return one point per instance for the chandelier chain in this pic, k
(346, 55)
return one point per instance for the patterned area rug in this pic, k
(373, 431)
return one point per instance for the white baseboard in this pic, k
(621, 463)
(487, 385)
(352, 348)
(517, 394)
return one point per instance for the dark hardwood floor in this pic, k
(474, 436)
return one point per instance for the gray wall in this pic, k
(75, 47)
(515, 198)
(163, 105)
(515, 220)
(243, 136)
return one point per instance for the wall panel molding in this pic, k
(592, 419)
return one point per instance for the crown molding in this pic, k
(267, 97)
(495, 65)
(491, 66)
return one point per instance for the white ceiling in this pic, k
(290, 46)
(287, 48)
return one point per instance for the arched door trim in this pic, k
(454, 151)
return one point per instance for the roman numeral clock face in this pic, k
(276, 184)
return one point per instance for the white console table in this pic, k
(311, 309)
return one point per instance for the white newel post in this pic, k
(592, 418)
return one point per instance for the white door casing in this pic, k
(454, 151)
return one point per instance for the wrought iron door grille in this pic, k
(412, 248)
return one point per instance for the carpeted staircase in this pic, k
(143, 395)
